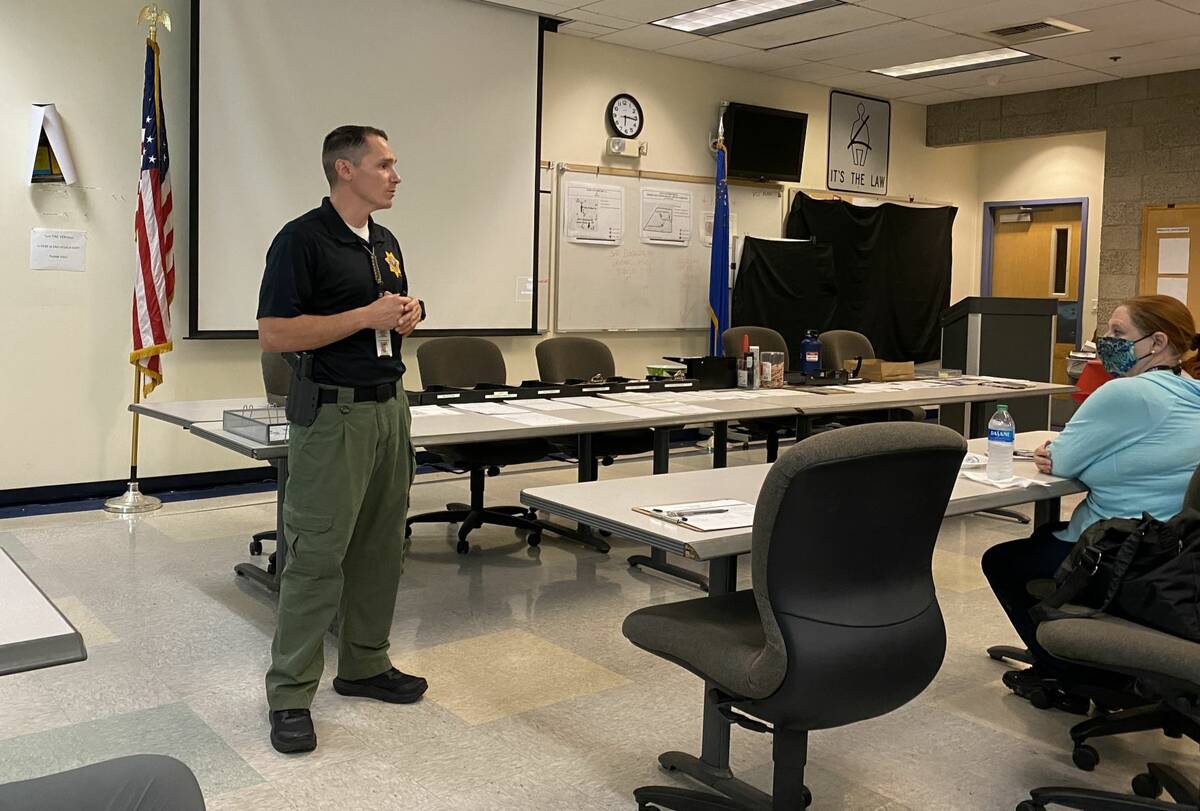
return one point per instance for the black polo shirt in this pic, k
(317, 266)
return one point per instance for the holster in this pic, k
(304, 393)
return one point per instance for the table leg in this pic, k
(657, 559)
(803, 426)
(720, 439)
(1047, 511)
(265, 577)
(662, 449)
(587, 472)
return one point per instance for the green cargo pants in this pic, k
(343, 516)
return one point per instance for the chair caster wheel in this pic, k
(1030, 805)
(1085, 757)
(271, 564)
(531, 514)
(255, 548)
(462, 547)
(534, 539)
(1146, 785)
(1041, 698)
(408, 530)
(604, 533)
(807, 797)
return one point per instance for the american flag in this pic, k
(154, 283)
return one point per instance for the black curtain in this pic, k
(787, 286)
(892, 270)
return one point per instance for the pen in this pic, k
(686, 513)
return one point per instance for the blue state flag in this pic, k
(718, 273)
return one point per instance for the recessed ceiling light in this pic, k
(740, 14)
(958, 64)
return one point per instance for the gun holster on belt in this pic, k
(302, 400)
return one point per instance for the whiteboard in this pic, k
(274, 76)
(639, 286)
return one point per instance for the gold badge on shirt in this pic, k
(393, 263)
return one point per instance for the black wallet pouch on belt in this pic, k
(302, 400)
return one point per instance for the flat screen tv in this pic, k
(764, 143)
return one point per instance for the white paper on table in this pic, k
(704, 516)
(546, 405)
(585, 402)
(642, 396)
(431, 411)
(635, 411)
(1174, 286)
(594, 213)
(684, 408)
(534, 418)
(666, 217)
(491, 409)
(1003, 484)
(1173, 255)
(54, 249)
(45, 117)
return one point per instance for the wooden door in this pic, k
(1171, 253)
(1035, 254)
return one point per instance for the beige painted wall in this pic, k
(67, 335)
(1048, 168)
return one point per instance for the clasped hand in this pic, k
(1041, 458)
(395, 312)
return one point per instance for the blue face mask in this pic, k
(1117, 355)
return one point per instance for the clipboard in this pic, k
(704, 516)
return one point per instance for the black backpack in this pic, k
(1144, 570)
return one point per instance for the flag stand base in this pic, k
(132, 502)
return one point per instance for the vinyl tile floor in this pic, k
(535, 701)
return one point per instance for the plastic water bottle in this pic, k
(810, 346)
(1002, 433)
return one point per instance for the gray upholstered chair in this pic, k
(842, 622)
(1167, 668)
(464, 362)
(767, 340)
(277, 382)
(575, 358)
(841, 345)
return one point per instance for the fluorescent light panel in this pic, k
(740, 14)
(958, 64)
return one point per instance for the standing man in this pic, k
(334, 290)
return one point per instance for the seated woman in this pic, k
(1135, 443)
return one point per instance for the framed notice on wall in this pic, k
(860, 131)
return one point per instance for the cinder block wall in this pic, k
(1152, 151)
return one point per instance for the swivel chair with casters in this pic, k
(842, 623)
(767, 340)
(1167, 668)
(578, 358)
(277, 381)
(464, 362)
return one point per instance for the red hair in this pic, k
(1171, 317)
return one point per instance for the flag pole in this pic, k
(133, 501)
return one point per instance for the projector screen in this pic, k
(455, 85)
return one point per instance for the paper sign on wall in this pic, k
(45, 117)
(1173, 255)
(707, 229)
(859, 141)
(1174, 286)
(594, 213)
(666, 217)
(51, 249)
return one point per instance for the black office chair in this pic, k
(464, 362)
(577, 358)
(277, 381)
(842, 623)
(839, 346)
(767, 340)
(1167, 668)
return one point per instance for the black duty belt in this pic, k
(362, 394)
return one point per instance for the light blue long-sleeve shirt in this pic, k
(1135, 443)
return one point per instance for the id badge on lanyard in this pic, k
(383, 337)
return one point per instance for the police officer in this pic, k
(334, 290)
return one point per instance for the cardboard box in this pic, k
(884, 371)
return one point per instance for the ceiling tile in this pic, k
(863, 41)
(649, 37)
(585, 30)
(1135, 54)
(642, 11)
(936, 97)
(909, 52)
(554, 7)
(911, 9)
(1000, 13)
(1133, 23)
(762, 61)
(999, 75)
(1041, 83)
(708, 50)
(817, 72)
(1149, 68)
(585, 16)
(1187, 5)
(891, 89)
(803, 27)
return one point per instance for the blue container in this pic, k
(810, 353)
